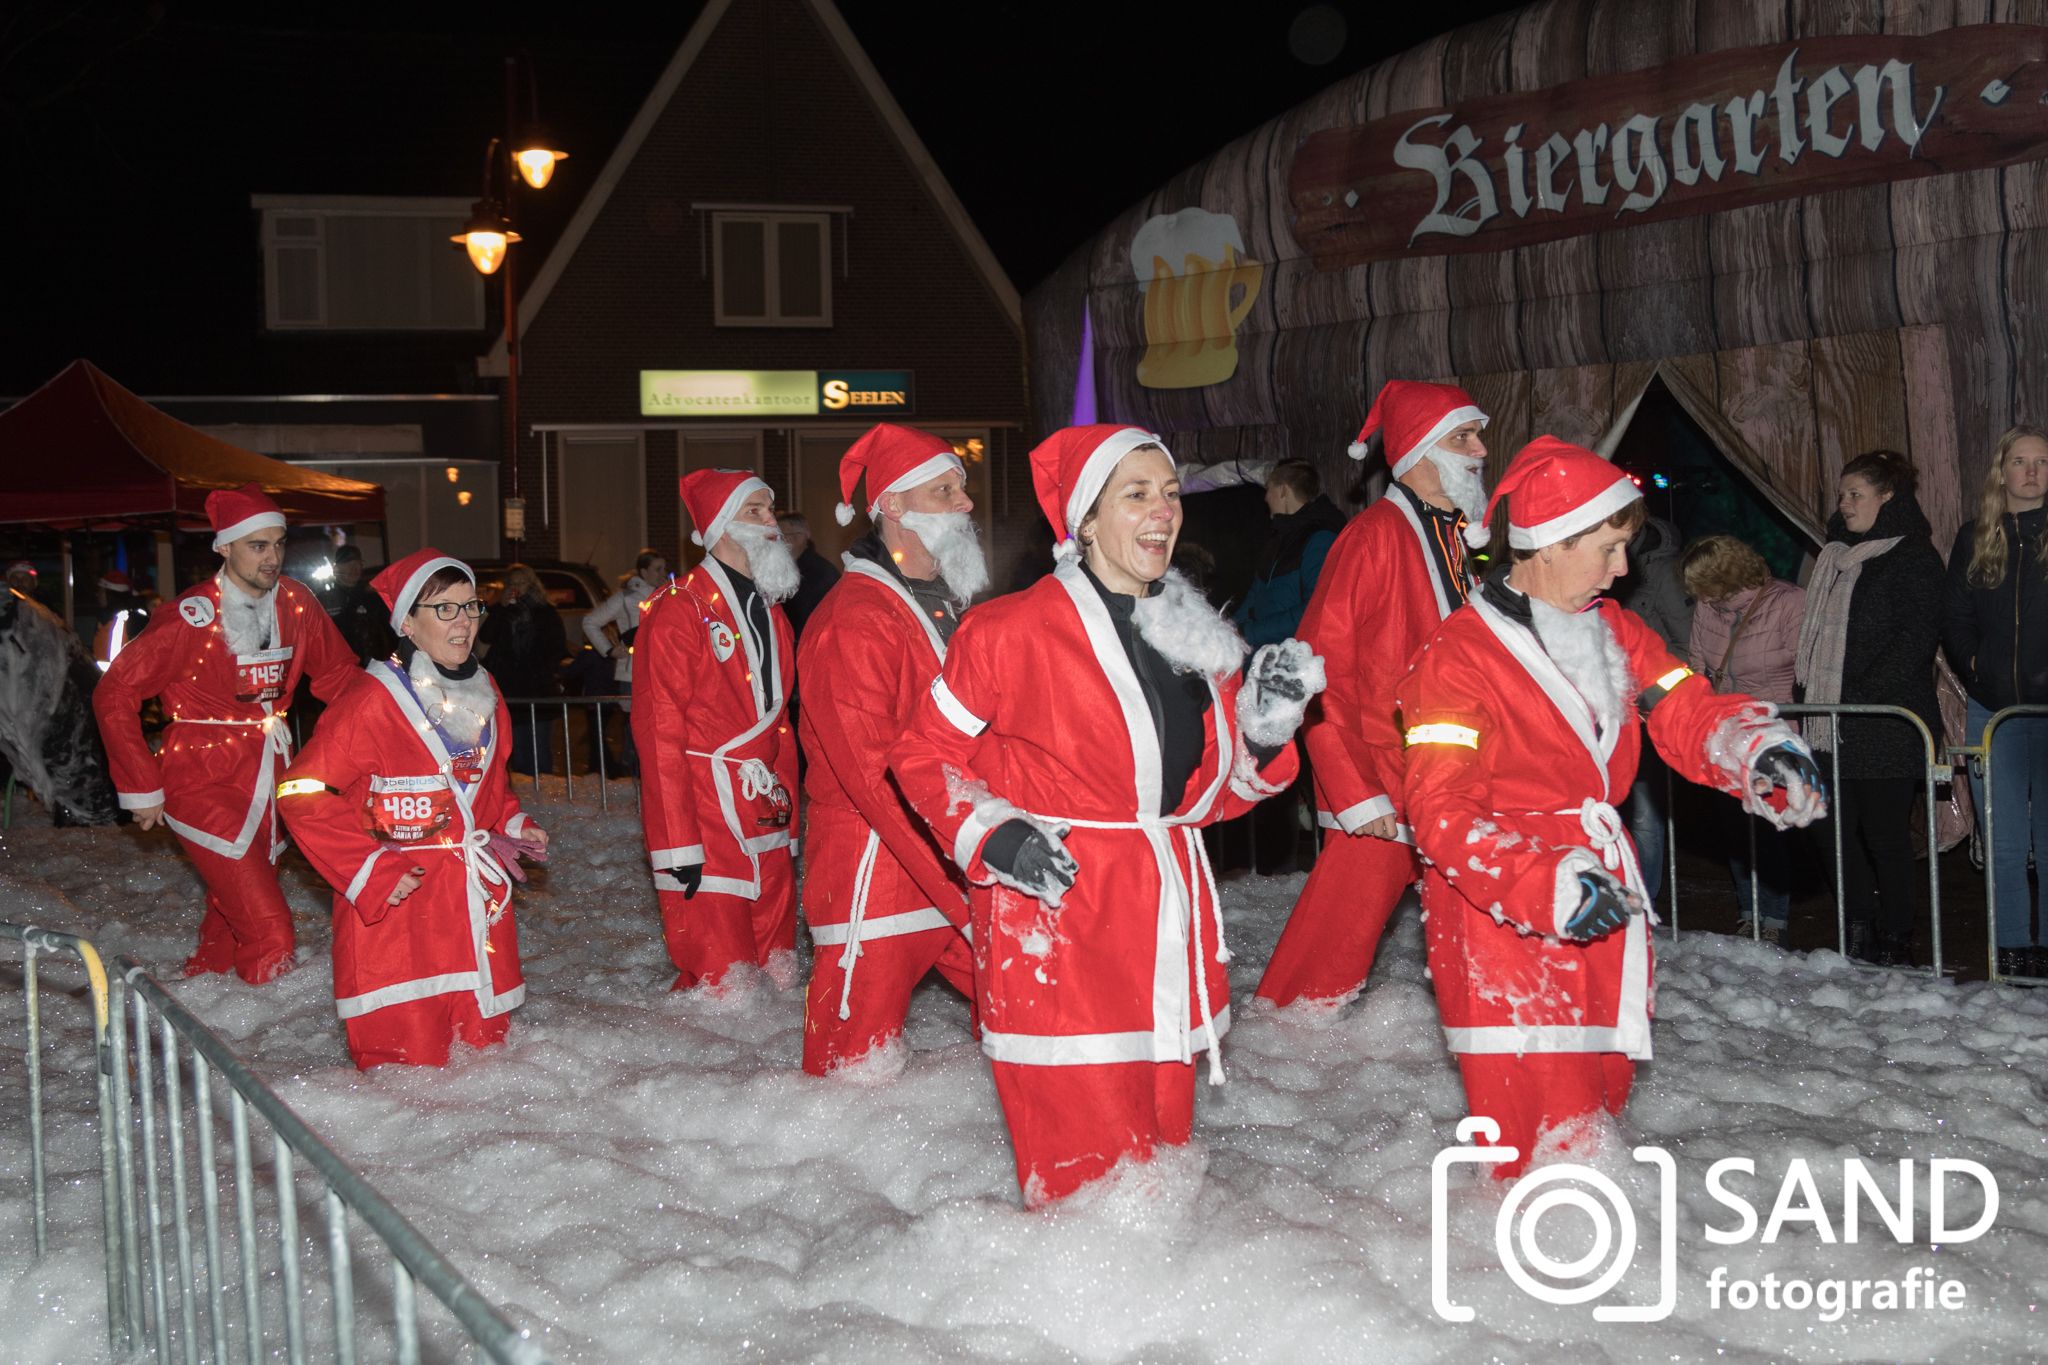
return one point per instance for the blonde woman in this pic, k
(1745, 634)
(1996, 639)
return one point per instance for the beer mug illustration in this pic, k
(1189, 265)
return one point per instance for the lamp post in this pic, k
(488, 238)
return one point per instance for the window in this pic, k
(342, 263)
(772, 269)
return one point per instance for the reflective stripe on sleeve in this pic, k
(1442, 732)
(964, 720)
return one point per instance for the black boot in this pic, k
(1859, 943)
(1894, 951)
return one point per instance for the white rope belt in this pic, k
(1608, 835)
(863, 880)
(479, 865)
(757, 779)
(1157, 833)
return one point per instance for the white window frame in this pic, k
(320, 208)
(770, 265)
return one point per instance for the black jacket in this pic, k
(527, 647)
(1996, 639)
(1894, 627)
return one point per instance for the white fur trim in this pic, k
(727, 510)
(951, 707)
(1356, 450)
(402, 606)
(248, 526)
(1245, 779)
(1450, 421)
(842, 512)
(1355, 818)
(923, 473)
(1188, 633)
(1101, 463)
(1584, 517)
(1583, 647)
(140, 801)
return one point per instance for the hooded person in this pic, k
(1395, 572)
(715, 666)
(880, 898)
(1079, 734)
(402, 803)
(225, 659)
(1524, 721)
(123, 615)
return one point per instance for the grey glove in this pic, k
(1604, 909)
(1277, 686)
(1027, 858)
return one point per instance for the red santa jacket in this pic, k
(1377, 603)
(705, 729)
(1512, 789)
(377, 793)
(868, 656)
(1038, 709)
(228, 735)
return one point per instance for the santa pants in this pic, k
(712, 931)
(1070, 1124)
(884, 975)
(419, 1032)
(1535, 1092)
(1326, 950)
(248, 927)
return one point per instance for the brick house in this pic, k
(768, 263)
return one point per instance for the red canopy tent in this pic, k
(83, 452)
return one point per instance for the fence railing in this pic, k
(173, 1260)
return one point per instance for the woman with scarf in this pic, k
(402, 804)
(1079, 734)
(1872, 621)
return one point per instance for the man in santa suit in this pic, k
(1066, 756)
(713, 670)
(879, 896)
(225, 660)
(1523, 732)
(1395, 572)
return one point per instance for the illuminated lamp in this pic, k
(486, 237)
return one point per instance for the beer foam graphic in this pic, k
(1174, 237)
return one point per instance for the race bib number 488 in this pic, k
(403, 809)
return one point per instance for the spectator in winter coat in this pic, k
(817, 572)
(1745, 635)
(357, 612)
(1305, 526)
(1872, 620)
(1995, 634)
(1655, 592)
(610, 630)
(522, 643)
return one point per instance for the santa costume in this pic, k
(1074, 714)
(406, 775)
(713, 669)
(1397, 570)
(1522, 733)
(226, 663)
(880, 898)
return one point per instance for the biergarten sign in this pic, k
(1709, 133)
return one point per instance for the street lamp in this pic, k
(488, 237)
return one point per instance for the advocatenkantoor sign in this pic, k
(1708, 133)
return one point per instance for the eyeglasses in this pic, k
(448, 611)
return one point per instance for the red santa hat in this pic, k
(894, 458)
(400, 584)
(238, 512)
(1411, 418)
(712, 497)
(114, 580)
(21, 566)
(1556, 490)
(1069, 468)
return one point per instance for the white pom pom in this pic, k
(1477, 534)
(1070, 548)
(843, 513)
(696, 537)
(1356, 450)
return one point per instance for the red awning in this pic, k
(83, 451)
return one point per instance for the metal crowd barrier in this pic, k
(1980, 754)
(170, 1260)
(1935, 773)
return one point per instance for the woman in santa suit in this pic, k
(1523, 733)
(1079, 733)
(402, 804)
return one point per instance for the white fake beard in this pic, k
(769, 562)
(245, 620)
(460, 706)
(1189, 633)
(951, 539)
(1586, 652)
(1465, 488)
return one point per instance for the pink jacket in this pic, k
(1761, 664)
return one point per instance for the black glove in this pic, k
(1603, 909)
(1023, 858)
(1783, 764)
(688, 878)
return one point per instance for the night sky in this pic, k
(136, 132)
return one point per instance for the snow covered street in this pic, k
(647, 1176)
